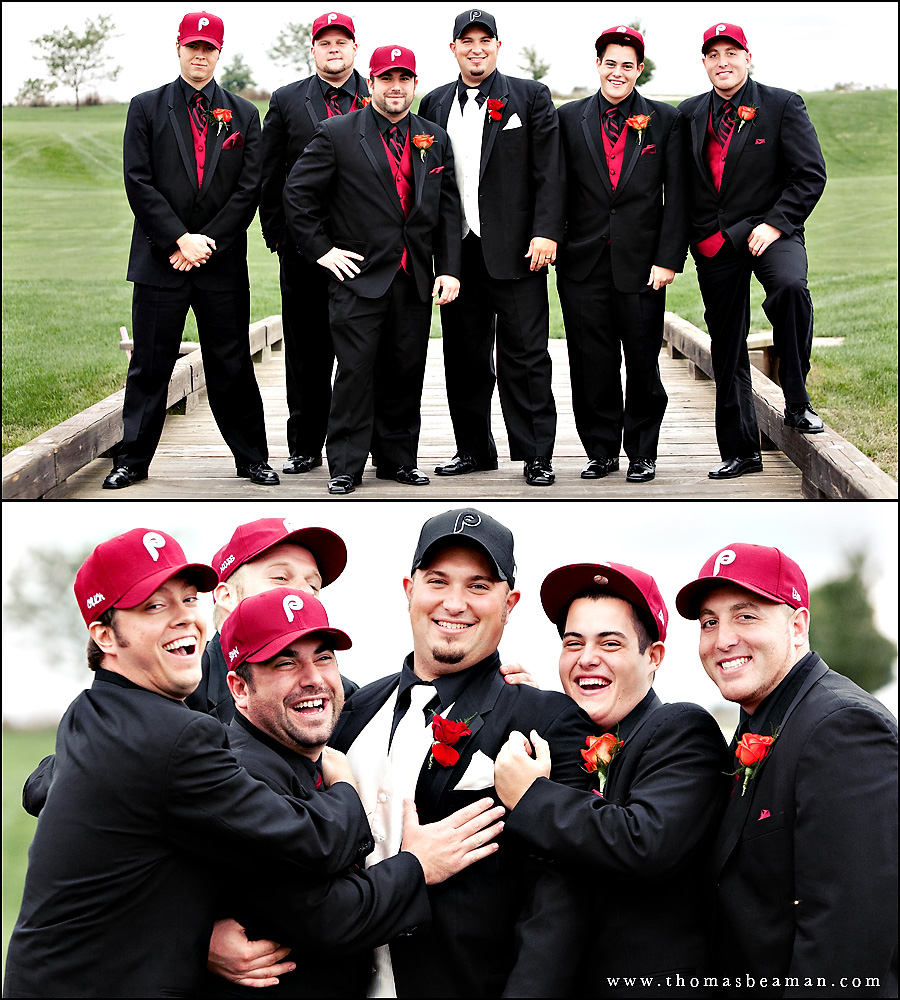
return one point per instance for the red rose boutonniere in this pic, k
(219, 117)
(495, 109)
(750, 753)
(639, 123)
(600, 752)
(746, 113)
(447, 734)
(423, 143)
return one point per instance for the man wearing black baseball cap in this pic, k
(336, 88)
(639, 838)
(758, 172)
(806, 854)
(433, 730)
(505, 136)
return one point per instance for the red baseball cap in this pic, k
(632, 585)
(622, 35)
(760, 569)
(251, 540)
(334, 20)
(126, 570)
(388, 57)
(717, 31)
(201, 27)
(260, 627)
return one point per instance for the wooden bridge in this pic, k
(68, 462)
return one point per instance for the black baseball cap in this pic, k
(468, 527)
(469, 17)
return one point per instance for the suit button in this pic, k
(382, 797)
(398, 250)
(721, 211)
(612, 211)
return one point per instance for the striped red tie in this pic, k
(198, 112)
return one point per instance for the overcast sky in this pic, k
(801, 46)
(670, 540)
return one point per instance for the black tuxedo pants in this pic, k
(520, 311)
(308, 351)
(381, 346)
(725, 286)
(602, 324)
(223, 317)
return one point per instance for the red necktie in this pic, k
(198, 112)
(395, 143)
(332, 98)
(612, 124)
(726, 123)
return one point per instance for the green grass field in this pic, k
(67, 225)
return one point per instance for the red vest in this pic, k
(714, 154)
(403, 178)
(615, 155)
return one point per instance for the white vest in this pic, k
(466, 128)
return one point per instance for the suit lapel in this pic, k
(373, 146)
(315, 102)
(499, 91)
(738, 138)
(419, 166)
(593, 137)
(444, 104)
(633, 148)
(185, 143)
(360, 712)
(699, 123)
(617, 763)
(215, 136)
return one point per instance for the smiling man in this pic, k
(147, 797)
(640, 838)
(806, 854)
(433, 731)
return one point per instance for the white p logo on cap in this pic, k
(395, 54)
(291, 604)
(475, 13)
(202, 23)
(623, 29)
(464, 521)
(332, 17)
(720, 28)
(153, 541)
(724, 558)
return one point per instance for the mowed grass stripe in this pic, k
(67, 229)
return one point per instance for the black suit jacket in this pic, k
(341, 193)
(774, 169)
(638, 854)
(339, 917)
(491, 922)
(521, 189)
(146, 800)
(642, 226)
(161, 185)
(806, 860)
(291, 121)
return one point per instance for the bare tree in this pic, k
(75, 60)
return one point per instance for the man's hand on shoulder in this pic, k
(515, 771)
(761, 238)
(239, 960)
(340, 262)
(515, 673)
(335, 767)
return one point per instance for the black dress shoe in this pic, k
(803, 419)
(300, 463)
(406, 475)
(122, 476)
(641, 470)
(539, 472)
(259, 473)
(731, 468)
(464, 464)
(600, 468)
(341, 485)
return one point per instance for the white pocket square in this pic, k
(479, 774)
(514, 122)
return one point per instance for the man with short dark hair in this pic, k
(639, 839)
(336, 88)
(806, 854)
(758, 174)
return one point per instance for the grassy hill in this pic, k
(67, 226)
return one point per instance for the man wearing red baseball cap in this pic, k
(626, 236)
(146, 793)
(806, 854)
(640, 838)
(287, 688)
(192, 158)
(374, 201)
(336, 88)
(757, 174)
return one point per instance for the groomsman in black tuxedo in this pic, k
(336, 88)
(193, 162)
(757, 174)
(505, 136)
(626, 236)
(374, 201)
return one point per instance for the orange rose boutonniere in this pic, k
(220, 117)
(599, 754)
(639, 123)
(750, 753)
(362, 102)
(423, 143)
(746, 113)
